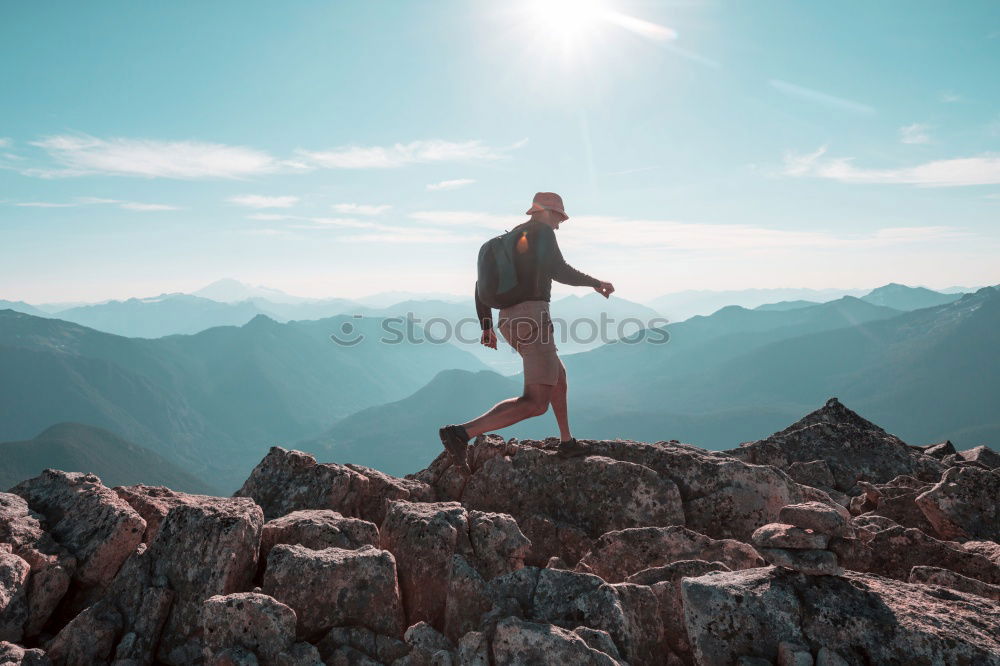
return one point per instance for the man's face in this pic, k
(553, 218)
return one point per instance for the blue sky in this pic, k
(344, 148)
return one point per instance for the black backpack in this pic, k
(497, 284)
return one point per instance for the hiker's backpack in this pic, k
(497, 284)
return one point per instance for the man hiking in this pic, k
(527, 327)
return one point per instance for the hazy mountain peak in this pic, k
(229, 290)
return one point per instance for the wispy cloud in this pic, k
(820, 97)
(132, 205)
(467, 218)
(99, 201)
(82, 154)
(949, 97)
(261, 201)
(984, 170)
(401, 154)
(450, 184)
(915, 133)
(4, 142)
(603, 231)
(360, 209)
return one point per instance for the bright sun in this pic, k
(574, 26)
(569, 21)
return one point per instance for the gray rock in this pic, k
(15, 655)
(820, 518)
(964, 505)
(88, 519)
(851, 446)
(778, 535)
(948, 578)
(619, 554)
(255, 622)
(13, 595)
(520, 643)
(317, 529)
(729, 614)
(813, 562)
(52, 565)
(346, 587)
(794, 654)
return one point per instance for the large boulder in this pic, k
(629, 613)
(100, 529)
(256, 623)
(153, 503)
(665, 582)
(285, 481)
(317, 529)
(667, 483)
(51, 564)
(12, 654)
(895, 500)
(152, 609)
(203, 550)
(948, 578)
(352, 644)
(853, 448)
(619, 554)
(863, 619)
(982, 455)
(964, 504)
(520, 643)
(13, 594)
(424, 536)
(893, 552)
(345, 587)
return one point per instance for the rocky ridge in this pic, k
(831, 542)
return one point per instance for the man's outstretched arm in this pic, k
(563, 272)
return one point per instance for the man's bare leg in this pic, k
(534, 402)
(558, 402)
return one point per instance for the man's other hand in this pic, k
(605, 289)
(489, 338)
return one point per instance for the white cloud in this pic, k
(132, 205)
(99, 201)
(400, 154)
(4, 142)
(450, 184)
(601, 231)
(360, 209)
(798, 165)
(938, 173)
(467, 218)
(83, 154)
(826, 99)
(260, 201)
(948, 97)
(915, 133)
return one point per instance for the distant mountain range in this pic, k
(75, 447)
(924, 363)
(214, 400)
(682, 305)
(738, 373)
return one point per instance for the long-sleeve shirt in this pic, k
(538, 261)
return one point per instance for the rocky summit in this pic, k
(831, 542)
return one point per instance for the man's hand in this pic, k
(489, 338)
(605, 289)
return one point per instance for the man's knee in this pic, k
(539, 407)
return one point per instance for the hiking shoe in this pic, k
(570, 449)
(456, 443)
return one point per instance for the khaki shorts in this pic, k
(527, 327)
